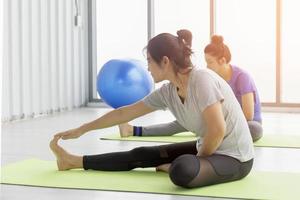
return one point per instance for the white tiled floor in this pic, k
(30, 138)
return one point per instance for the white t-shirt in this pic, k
(205, 88)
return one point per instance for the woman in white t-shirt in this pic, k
(201, 102)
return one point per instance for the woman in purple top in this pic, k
(217, 56)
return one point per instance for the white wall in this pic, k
(1, 64)
(45, 57)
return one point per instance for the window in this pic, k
(290, 51)
(248, 28)
(172, 15)
(121, 30)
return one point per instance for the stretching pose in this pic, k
(201, 101)
(217, 56)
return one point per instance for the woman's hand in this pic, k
(70, 134)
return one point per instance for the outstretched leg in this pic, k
(138, 157)
(122, 161)
(166, 129)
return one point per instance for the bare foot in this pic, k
(126, 130)
(163, 167)
(65, 161)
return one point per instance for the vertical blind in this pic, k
(45, 57)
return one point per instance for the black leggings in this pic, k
(186, 170)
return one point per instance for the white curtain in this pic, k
(45, 57)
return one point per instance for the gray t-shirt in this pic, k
(205, 88)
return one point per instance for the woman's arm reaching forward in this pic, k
(115, 117)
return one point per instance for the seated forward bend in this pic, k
(217, 56)
(200, 100)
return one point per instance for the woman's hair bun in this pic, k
(217, 39)
(185, 35)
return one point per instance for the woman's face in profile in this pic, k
(212, 63)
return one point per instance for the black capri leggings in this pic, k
(186, 170)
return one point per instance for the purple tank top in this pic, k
(242, 83)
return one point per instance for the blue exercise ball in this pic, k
(123, 82)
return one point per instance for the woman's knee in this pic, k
(184, 169)
(151, 152)
(256, 130)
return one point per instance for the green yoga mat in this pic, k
(257, 185)
(268, 140)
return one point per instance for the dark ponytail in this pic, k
(185, 38)
(177, 49)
